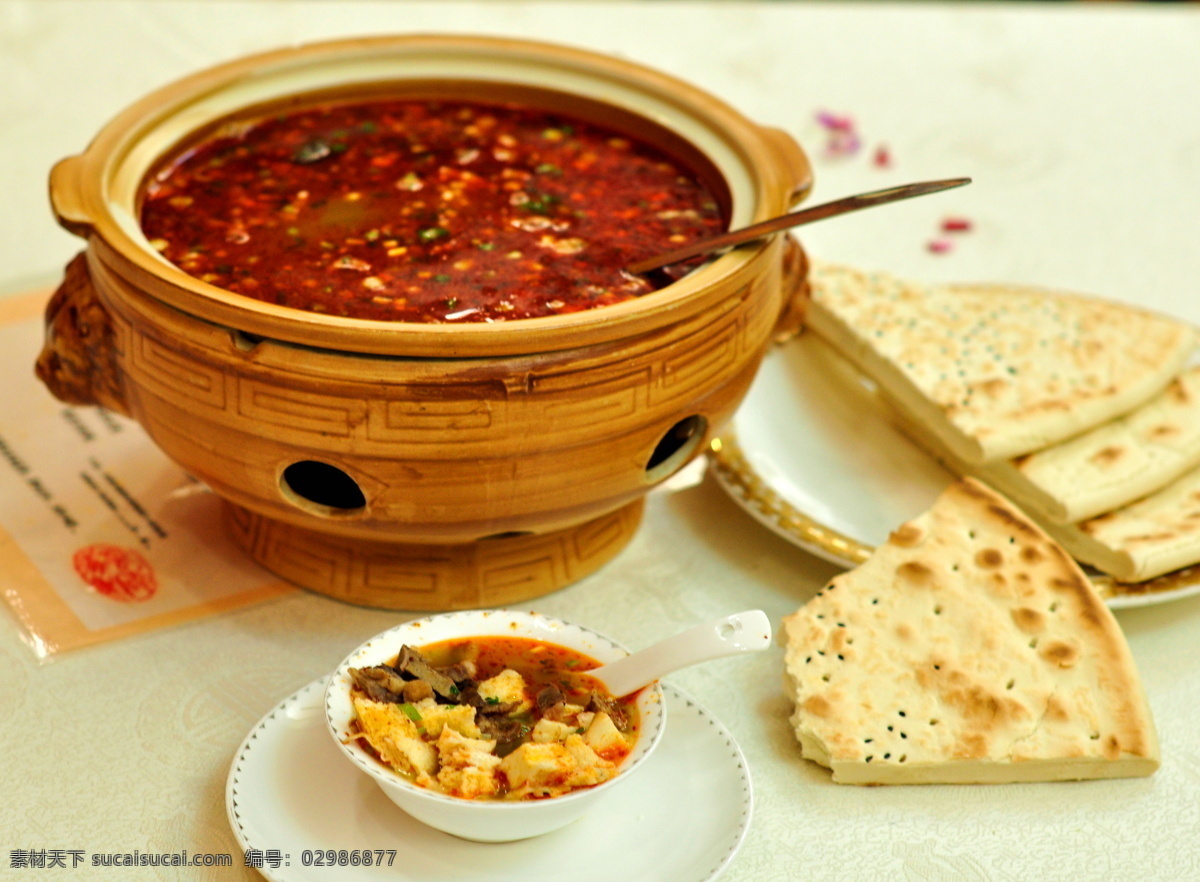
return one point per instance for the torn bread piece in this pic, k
(969, 648)
(996, 372)
(1142, 540)
(1101, 470)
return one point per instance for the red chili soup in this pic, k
(424, 211)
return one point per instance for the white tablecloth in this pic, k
(1080, 126)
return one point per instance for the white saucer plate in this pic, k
(293, 798)
(811, 455)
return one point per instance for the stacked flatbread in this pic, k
(1073, 407)
(968, 648)
(1103, 468)
(1142, 540)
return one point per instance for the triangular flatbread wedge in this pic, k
(996, 372)
(1145, 539)
(969, 648)
(1103, 469)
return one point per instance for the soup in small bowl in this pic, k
(485, 724)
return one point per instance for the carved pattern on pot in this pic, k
(545, 434)
(432, 577)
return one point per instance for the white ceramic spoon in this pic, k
(741, 632)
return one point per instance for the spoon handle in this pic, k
(741, 632)
(794, 219)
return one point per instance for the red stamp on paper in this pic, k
(120, 574)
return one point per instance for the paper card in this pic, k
(101, 536)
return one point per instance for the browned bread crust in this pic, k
(968, 648)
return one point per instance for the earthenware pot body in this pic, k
(422, 466)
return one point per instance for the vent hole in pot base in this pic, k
(244, 342)
(322, 485)
(675, 448)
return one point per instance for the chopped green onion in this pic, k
(541, 203)
(411, 712)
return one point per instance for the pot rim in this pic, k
(93, 193)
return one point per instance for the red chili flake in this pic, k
(956, 225)
(883, 156)
(940, 246)
(120, 574)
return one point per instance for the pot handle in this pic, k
(78, 362)
(796, 291)
(66, 197)
(793, 159)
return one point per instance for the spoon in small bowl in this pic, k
(748, 631)
(794, 219)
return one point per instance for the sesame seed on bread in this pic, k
(996, 371)
(969, 648)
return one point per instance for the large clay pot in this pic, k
(423, 466)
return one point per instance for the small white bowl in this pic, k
(486, 820)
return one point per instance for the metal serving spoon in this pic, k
(730, 635)
(794, 219)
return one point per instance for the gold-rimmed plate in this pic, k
(812, 456)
